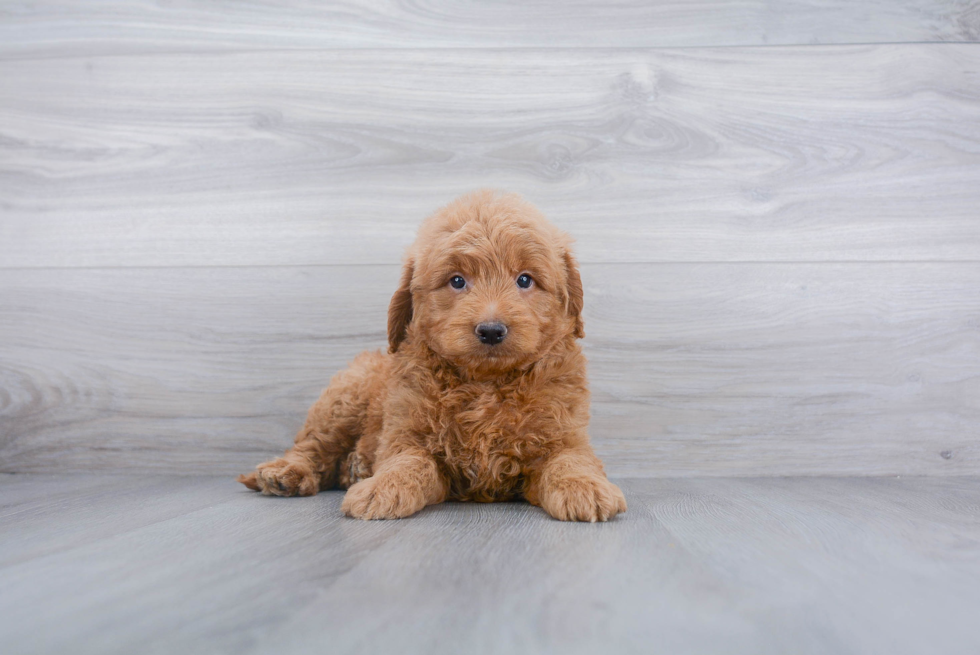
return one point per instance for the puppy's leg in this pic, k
(333, 426)
(572, 486)
(402, 485)
(303, 469)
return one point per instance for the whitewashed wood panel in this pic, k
(711, 369)
(60, 27)
(326, 157)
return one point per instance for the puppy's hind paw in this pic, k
(249, 480)
(283, 477)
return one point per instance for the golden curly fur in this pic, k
(482, 395)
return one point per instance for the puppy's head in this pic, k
(489, 285)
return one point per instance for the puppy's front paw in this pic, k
(583, 499)
(384, 496)
(283, 477)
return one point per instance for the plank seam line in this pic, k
(13, 57)
(781, 262)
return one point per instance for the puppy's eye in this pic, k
(524, 280)
(457, 282)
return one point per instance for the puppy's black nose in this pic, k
(491, 333)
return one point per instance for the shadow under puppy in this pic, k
(482, 395)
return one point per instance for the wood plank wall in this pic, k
(777, 207)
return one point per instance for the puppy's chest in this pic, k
(485, 438)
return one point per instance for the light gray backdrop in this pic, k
(203, 207)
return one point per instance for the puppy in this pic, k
(482, 395)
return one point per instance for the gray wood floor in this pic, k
(162, 564)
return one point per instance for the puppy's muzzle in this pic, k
(491, 333)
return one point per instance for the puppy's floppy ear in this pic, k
(400, 309)
(574, 298)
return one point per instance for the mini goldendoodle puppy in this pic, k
(482, 395)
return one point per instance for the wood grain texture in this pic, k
(696, 369)
(327, 157)
(103, 564)
(60, 28)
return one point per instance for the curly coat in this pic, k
(448, 413)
